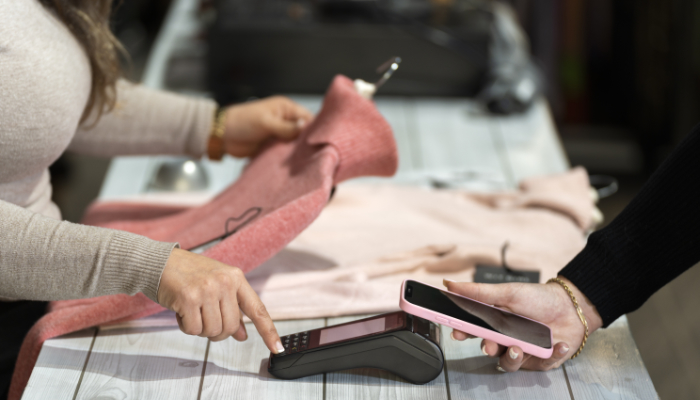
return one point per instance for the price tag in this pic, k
(491, 274)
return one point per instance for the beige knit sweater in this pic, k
(44, 86)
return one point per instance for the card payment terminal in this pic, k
(401, 343)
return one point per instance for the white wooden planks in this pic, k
(530, 143)
(443, 139)
(238, 370)
(397, 113)
(60, 366)
(144, 360)
(472, 375)
(451, 135)
(366, 383)
(610, 367)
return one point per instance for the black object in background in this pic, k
(503, 273)
(493, 274)
(263, 47)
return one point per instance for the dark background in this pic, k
(623, 82)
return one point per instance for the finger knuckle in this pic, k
(260, 311)
(236, 274)
(226, 280)
(232, 328)
(191, 295)
(211, 282)
(212, 332)
(546, 365)
(271, 331)
(192, 330)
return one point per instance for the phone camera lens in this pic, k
(409, 291)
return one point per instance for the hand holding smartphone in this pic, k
(476, 318)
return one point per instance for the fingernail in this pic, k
(452, 335)
(564, 349)
(512, 353)
(499, 369)
(483, 349)
(445, 281)
(280, 348)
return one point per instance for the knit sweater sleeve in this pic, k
(45, 259)
(653, 240)
(147, 121)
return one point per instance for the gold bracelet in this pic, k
(578, 310)
(216, 148)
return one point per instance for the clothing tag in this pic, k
(491, 274)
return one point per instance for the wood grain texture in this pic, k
(531, 143)
(610, 367)
(238, 370)
(451, 137)
(59, 366)
(138, 361)
(472, 375)
(369, 383)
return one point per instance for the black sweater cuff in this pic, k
(653, 240)
(609, 287)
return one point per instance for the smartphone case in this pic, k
(472, 329)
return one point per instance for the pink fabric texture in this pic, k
(290, 183)
(370, 238)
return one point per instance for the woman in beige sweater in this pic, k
(60, 90)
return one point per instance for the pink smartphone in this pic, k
(476, 318)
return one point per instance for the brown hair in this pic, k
(88, 20)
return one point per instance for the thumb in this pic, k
(281, 128)
(492, 294)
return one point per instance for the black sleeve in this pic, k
(653, 240)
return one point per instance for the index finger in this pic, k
(250, 304)
(484, 292)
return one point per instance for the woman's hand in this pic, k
(248, 125)
(549, 304)
(208, 296)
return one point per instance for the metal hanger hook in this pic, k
(388, 69)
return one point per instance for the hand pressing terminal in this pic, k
(208, 297)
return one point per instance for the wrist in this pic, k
(589, 310)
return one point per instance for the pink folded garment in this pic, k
(353, 258)
(280, 193)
